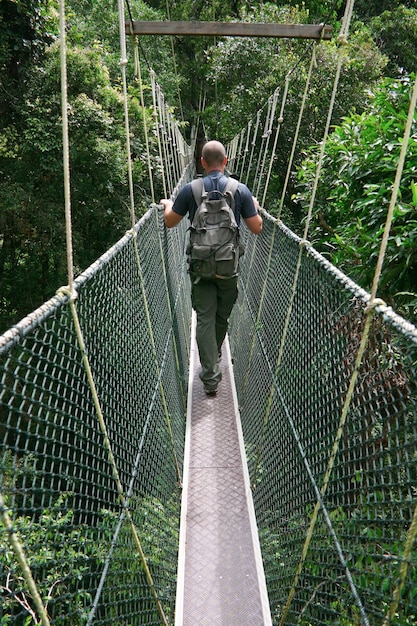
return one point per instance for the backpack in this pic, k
(213, 250)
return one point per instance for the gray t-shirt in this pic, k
(244, 205)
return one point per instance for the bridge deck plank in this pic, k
(220, 577)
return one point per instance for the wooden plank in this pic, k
(230, 29)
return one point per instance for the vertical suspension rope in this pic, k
(271, 246)
(246, 150)
(175, 64)
(23, 562)
(255, 134)
(261, 151)
(277, 134)
(65, 149)
(166, 143)
(175, 148)
(158, 134)
(313, 63)
(123, 65)
(266, 137)
(295, 280)
(239, 149)
(138, 72)
(343, 40)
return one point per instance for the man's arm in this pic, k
(171, 218)
(254, 224)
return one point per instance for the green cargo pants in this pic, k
(213, 301)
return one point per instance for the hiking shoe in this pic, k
(210, 391)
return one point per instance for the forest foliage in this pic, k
(233, 77)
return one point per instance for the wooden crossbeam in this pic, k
(229, 29)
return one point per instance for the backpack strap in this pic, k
(231, 188)
(197, 187)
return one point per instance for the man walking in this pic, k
(212, 298)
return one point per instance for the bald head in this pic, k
(214, 155)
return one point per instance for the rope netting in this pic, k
(58, 484)
(92, 421)
(326, 380)
(92, 411)
(290, 417)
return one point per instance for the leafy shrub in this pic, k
(354, 193)
(67, 561)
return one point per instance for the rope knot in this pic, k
(67, 291)
(372, 304)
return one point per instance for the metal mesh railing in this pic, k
(294, 355)
(60, 499)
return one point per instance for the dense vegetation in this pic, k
(233, 78)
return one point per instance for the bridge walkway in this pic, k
(220, 572)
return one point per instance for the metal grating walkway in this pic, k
(220, 573)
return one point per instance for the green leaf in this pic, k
(414, 193)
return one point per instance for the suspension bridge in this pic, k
(127, 497)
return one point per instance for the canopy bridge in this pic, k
(100, 423)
